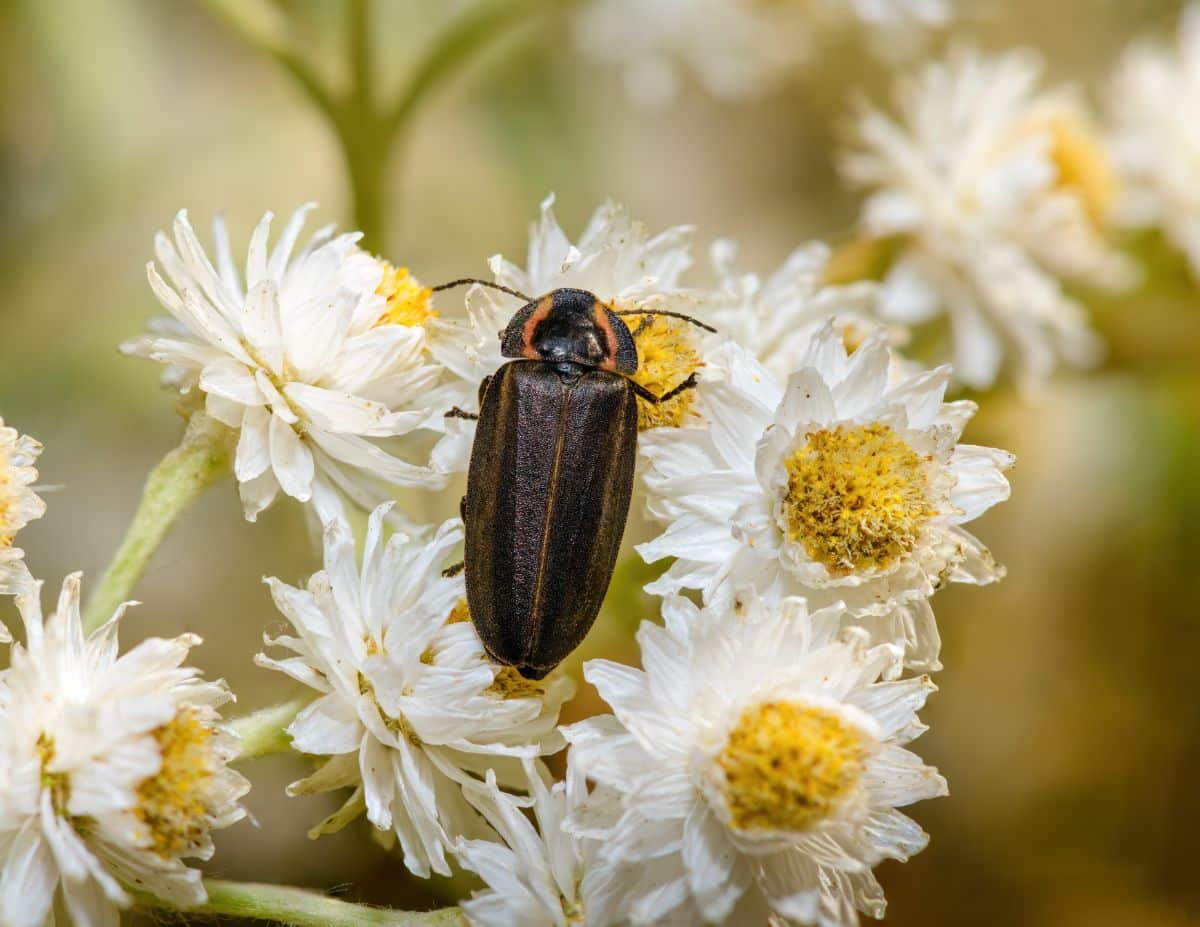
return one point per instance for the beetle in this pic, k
(551, 474)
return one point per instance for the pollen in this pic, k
(510, 684)
(857, 497)
(6, 501)
(460, 613)
(408, 301)
(1084, 167)
(174, 804)
(790, 766)
(667, 356)
(56, 783)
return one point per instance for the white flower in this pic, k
(753, 768)
(989, 191)
(314, 359)
(737, 48)
(19, 504)
(112, 769)
(410, 708)
(619, 261)
(776, 318)
(541, 877)
(896, 29)
(848, 484)
(1155, 103)
(733, 49)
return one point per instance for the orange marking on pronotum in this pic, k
(610, 336)
(545, 304)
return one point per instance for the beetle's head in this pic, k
(571, 326)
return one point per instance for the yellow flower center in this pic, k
(6, 500)
(460, 613)
(1084, 167)
(175, 802)
(857, 497)
(408, 302)
(509, 684)
(667, 355)
(56, 783)
(789, 766)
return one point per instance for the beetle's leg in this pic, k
(642, 392)
(462, 509)
(454, 570)
(456, 412)
(483, 385)
(642, 326)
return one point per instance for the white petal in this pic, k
(291, 461)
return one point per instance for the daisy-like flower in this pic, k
(736, 49)
(411, 710)
(776, 317)
(1155, 104)
(113, 769)
(619, 261)
(543, 876)
(989, 192)
(19, 504)
(316, 358)
(732, 49)
(753, 769)
(846, 485)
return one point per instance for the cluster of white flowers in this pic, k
(812, 489)
(738, 48)
(809, 487)
(113, 769)
(986, 194)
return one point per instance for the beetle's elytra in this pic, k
(550, 477)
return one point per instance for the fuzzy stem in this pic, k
(264, 732)
(201, 458)
(298, 907)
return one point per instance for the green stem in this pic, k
(201, 458)
(264, 732)
(366, 132)
(300, 908)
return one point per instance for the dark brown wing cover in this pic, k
(547, 496)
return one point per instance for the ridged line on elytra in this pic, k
(537, 587)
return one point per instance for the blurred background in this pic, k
(1068, 721)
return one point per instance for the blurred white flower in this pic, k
(1155, 105)
(619, 261)
(737, 48)
(411, 710)
(847, 485)
(19, 504)
(777, 317)
(989, 191)
(113, 769)
(543, 876)
(732, 48)
(752, 770)
(314, 359)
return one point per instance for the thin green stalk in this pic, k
(201, 458)
(264, 732)
(366, 131)
(298, 907)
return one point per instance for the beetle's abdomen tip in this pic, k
(534, 672)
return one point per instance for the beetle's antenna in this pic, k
(674, 315)
(494, 286)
